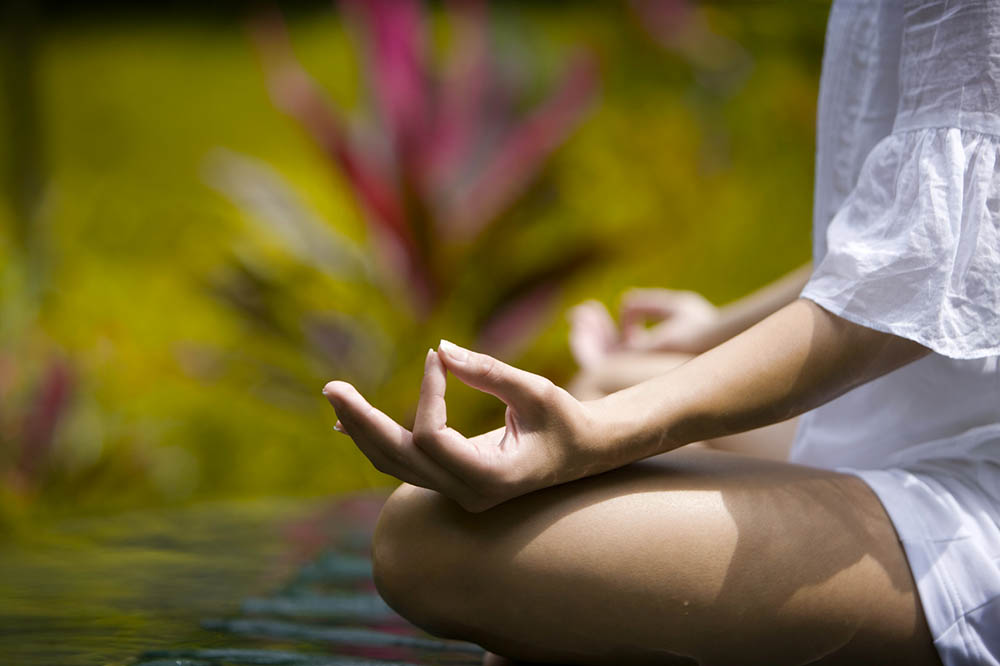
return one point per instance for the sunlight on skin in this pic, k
(573, 562)
(697, 553)
(705, 510)
(838, 590)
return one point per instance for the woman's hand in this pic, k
(684, 321)
(593, 334)
(548, 437)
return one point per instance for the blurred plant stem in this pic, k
(35, 380)
(25, 155)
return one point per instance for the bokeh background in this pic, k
(211, 209)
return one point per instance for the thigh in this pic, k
(698, 557)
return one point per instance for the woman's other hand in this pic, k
(546, 439)
(682, 321)
(593, 334)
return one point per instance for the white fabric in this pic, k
(907, 240)
(951, 547)
(915, 248)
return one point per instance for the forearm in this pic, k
(793, 361)
(740, 315)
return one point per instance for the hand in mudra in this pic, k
(660, 320)
(682, 321)
(544, 441)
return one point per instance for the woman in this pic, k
(877, 543)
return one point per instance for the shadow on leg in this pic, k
(698, 557)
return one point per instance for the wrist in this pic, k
(631, 424)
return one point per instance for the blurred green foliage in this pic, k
(688, 182)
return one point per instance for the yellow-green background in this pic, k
(687, 185)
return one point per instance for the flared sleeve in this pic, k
(914, 249)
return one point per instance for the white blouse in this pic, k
(907, 240)
(907, 226)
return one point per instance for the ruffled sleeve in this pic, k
(915, 248)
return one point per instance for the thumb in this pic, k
(639, 338)
(519, 389)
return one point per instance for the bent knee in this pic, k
(416, 550)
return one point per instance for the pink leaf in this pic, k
(525, 149)
(507, 332)
(39, 426)
(663, 19)
(396, 63)
(295, 93)
(519, 314)
(680, 26)
(459, 108)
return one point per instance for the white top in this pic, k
(907, 227)
(907, 240)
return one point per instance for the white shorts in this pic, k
(947, 515)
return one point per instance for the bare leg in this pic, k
(695, 558)
(623, 369)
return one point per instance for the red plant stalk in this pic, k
(447, 176)
(42, 418)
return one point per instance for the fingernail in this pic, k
(453, 351)
(339, 428)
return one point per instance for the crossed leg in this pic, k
(696, 557)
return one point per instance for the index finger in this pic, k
(377, 435)
(390, 446)
(639, 304)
